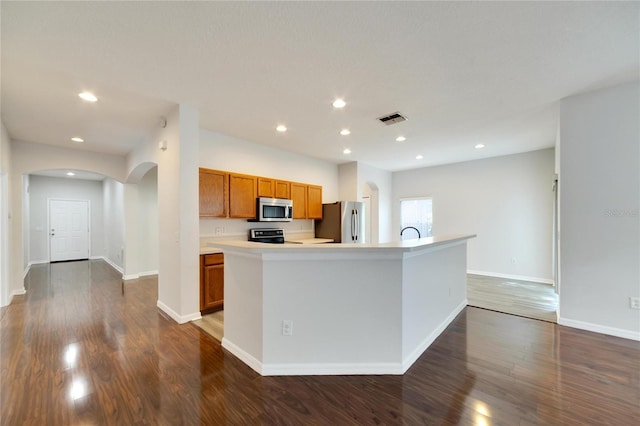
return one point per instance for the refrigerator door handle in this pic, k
(357, 225)
(353, 225)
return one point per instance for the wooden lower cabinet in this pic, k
(211, 282)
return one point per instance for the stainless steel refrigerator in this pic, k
(343, 222)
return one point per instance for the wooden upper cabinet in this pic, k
(299, 198)
(266, 187)
(214, 191)
(283, 189)
(242, 195)
(314, 202)
(224, 194)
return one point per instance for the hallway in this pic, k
(81, 348)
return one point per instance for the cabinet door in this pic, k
(266, 187)
(299, 198)
(242, 196)
(212, 288)
(214, 190)
(283, 189)
(314, 202)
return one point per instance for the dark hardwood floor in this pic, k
(77, 349)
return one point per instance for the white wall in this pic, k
(41, 188)
(5, 213)
(113, 214)
(148, 222)
(178, 240)
(348, 178)
(381, 216)
(221, 152)
(25, 221)
(358, 180)
(599, 219)
(507, 201)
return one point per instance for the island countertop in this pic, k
(309, 309)
(399, 246)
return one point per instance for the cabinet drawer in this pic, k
(213, 259)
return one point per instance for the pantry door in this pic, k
(68, 229)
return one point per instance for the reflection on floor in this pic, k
(523, 298)
(212, 324)
(76, 350)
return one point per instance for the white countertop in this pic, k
(403, 246)
(310, 241)
(209, 250)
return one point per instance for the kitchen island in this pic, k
(340, 308)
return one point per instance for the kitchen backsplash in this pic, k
(239, 229)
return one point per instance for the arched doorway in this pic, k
(370, 197)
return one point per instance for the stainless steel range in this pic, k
(267, 235)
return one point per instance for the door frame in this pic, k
(49, 222)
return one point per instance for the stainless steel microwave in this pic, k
(274, 210)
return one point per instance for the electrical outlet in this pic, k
(634, 302)
(287, 328)
(219, 230)
(514, 261)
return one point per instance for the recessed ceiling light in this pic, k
(70, 174)
(77, 139)
(345, 132)
(346, 151)
(401, 139)
(479, 146)
(419, 157)
(339, 103)
(88, 96)
(281, 128)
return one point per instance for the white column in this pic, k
(131, 253)
(178, 219)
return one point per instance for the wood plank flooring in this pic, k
(212, 324)
(76, 349)
(523, 298)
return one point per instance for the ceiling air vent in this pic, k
(390, 119)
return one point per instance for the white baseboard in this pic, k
(26, 271)
(139, 275)
(332, 369)
(38, 262)
(337, 369)
(602, 329)
(18, 292)
(512, 277)
(419, 350)
(243, 356)
(110, 262)
(180, 319)
(311, 369)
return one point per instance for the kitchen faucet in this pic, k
(410, 227)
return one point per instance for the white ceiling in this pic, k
(462, 72)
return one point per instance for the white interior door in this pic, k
(68, 230)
